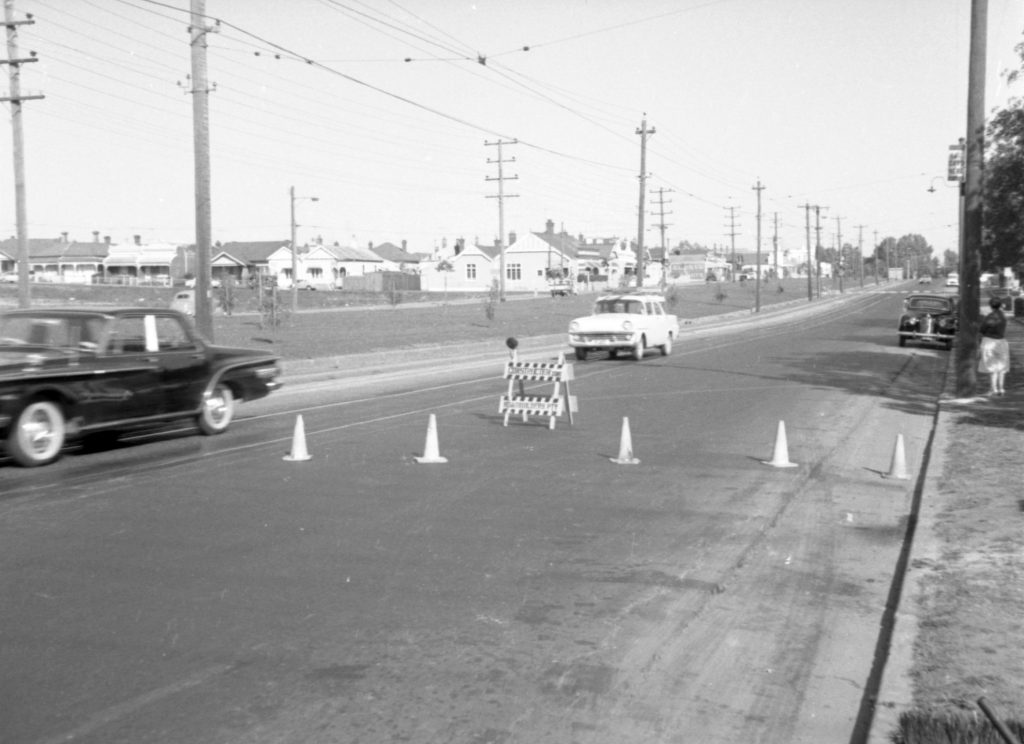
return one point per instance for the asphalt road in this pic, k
(190, 589)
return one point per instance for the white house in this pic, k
(472, 269)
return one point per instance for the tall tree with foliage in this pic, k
(1003, 234)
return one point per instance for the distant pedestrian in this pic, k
(995, 352)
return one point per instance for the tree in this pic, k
(1003, 232)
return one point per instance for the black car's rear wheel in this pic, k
(218, 411)
(37, 434)
(581, 354)
(903, 340)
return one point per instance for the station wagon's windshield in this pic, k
(632, 307)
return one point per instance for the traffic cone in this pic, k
(898, 468)
(299, 452)
(780, 459)
(625, 446)
(431, 454)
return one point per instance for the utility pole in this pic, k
(839, 252)
(970, 259)
(661, 213)
(757, 272)
(807, 221)
(775, 244)
(661, 226)
(732, 237)
(817, 245)
(644, 132)
(15, 97)
(501, 197)
(201, 147)
(860, 252)
(295, 248)
(875, 243)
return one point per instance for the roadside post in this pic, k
(558, 373)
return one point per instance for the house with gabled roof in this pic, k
(472, 268)
(58, 259)
(238, 260)
(397, 258)
(136, 262)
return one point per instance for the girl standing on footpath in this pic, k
(995, 352)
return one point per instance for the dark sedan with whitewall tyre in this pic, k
(929, 318)
(87, 376)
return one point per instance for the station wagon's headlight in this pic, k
(574, 326)
(627, 325)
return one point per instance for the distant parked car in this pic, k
(930, 318)
(562, 287)
(9, 277)
(625, 322)
(92, 374)
(191, 282)
(953, 280)
(924, 279)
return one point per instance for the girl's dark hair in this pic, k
(995, 302)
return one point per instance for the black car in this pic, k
(930, 318)
(70, 374)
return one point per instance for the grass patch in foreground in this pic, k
(947, 727)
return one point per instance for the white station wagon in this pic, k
(625, 322)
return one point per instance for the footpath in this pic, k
(962, 593)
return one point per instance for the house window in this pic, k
(471, 271)
(514, 272)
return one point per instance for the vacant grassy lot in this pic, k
(336, 323)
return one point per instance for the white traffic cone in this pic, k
(780, 458)
(625, 446)
(431, 453)
(898, 467)
(299, 452)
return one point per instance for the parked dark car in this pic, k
(930, 318)
(75, 374)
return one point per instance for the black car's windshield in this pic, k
(929, 304)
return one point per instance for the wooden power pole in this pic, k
(970, 257)
(644, 132)
(501, 196)
(14, 72)
(201, 148)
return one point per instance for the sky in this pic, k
(383, 111)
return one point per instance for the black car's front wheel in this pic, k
(37, 434)
(218, 411)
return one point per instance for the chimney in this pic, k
(95, 236)
(512, 237)
(63, 237)
(106, 239)
(549, 227)
(138, 239)
(405, 247)
(459, 245)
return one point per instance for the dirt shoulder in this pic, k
(959, 626)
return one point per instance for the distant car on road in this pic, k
(625, 322)
(75, 374)
(953, 280)
(9, 277)
(562, 287)
(924, 279)
(929, 318)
